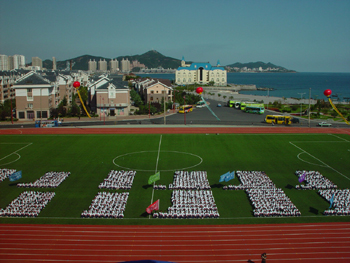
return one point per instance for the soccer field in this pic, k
(89, 159)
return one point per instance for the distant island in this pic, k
(257, 67)
(153, 59)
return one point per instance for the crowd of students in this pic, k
(27, 204)
(107, 205)
(271, 202)
(193, 180)
(266, 198)
(314, 180)
(340, 202)
(5, 173)
(191, 204)
(48, 180)
(118, 180)
(159, 187)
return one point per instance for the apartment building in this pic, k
(153, 90)
(109, 97)
(34, 97)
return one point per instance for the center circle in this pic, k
(138, 157)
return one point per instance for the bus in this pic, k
(185, 108)
(278, 119)
(258, 108)
(255, 109)
(46, 124)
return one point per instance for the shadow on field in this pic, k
(288, 186)
(313, 210)
(216, 185)
(144, 214)
(146, 186)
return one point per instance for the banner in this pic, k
(331, 201)
(154, 206)
(223, 177)
(15, 176)
(230, 176)
(154, 178)
(302, 177)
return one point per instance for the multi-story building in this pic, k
(102, 65)
(154, 90)
(109, 97)
(92, 65)
(125, 65)
(4, 62)
(37, 62)
(200, 73)
(34, 97)
(113, 65)
(54, 65)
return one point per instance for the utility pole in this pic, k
(301, 95)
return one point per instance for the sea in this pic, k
(288, 85)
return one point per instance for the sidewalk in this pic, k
(96, 119)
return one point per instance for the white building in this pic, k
(4, 62)
(200, 73)
(113, 65)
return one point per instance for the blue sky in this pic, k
(304, 35)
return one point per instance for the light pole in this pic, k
(301, 94)
(164, 107)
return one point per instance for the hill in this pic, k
(151, 59)
(254, 66)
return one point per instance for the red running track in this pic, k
(314, 242)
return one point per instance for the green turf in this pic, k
(89, 158)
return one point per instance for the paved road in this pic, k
(199, 116)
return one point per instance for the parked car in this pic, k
(324, 124)
(219, 104)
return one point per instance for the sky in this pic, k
(301, 35)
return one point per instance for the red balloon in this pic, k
(327, 92)
(76, 84)
(199, 90)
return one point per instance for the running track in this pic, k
(316, 242)
(321, 242)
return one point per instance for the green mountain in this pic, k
(257, 65)
(151, 59)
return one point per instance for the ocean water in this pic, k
(289, 85)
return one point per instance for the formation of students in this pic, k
(314, 180)
(27, 204)
(193, 180)
(159, 187)
(118, 180)
(107, 205)
(263, 194)
(341, 201)
(271, 202)
(191, 204)
(4, 173)
(48, 180)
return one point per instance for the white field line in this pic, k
(160, 143)
(16, 150)
(326, 165)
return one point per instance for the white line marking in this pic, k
(15, 152)
(326, 165)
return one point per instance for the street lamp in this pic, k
(301, 94)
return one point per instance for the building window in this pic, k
(21, 115)
(30, 105)
(152, 91)
(151, 98)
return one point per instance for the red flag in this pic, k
(154, 206)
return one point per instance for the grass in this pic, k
(89, 158)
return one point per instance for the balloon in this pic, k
(327, 92)
(76, 84)
(199, 90)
